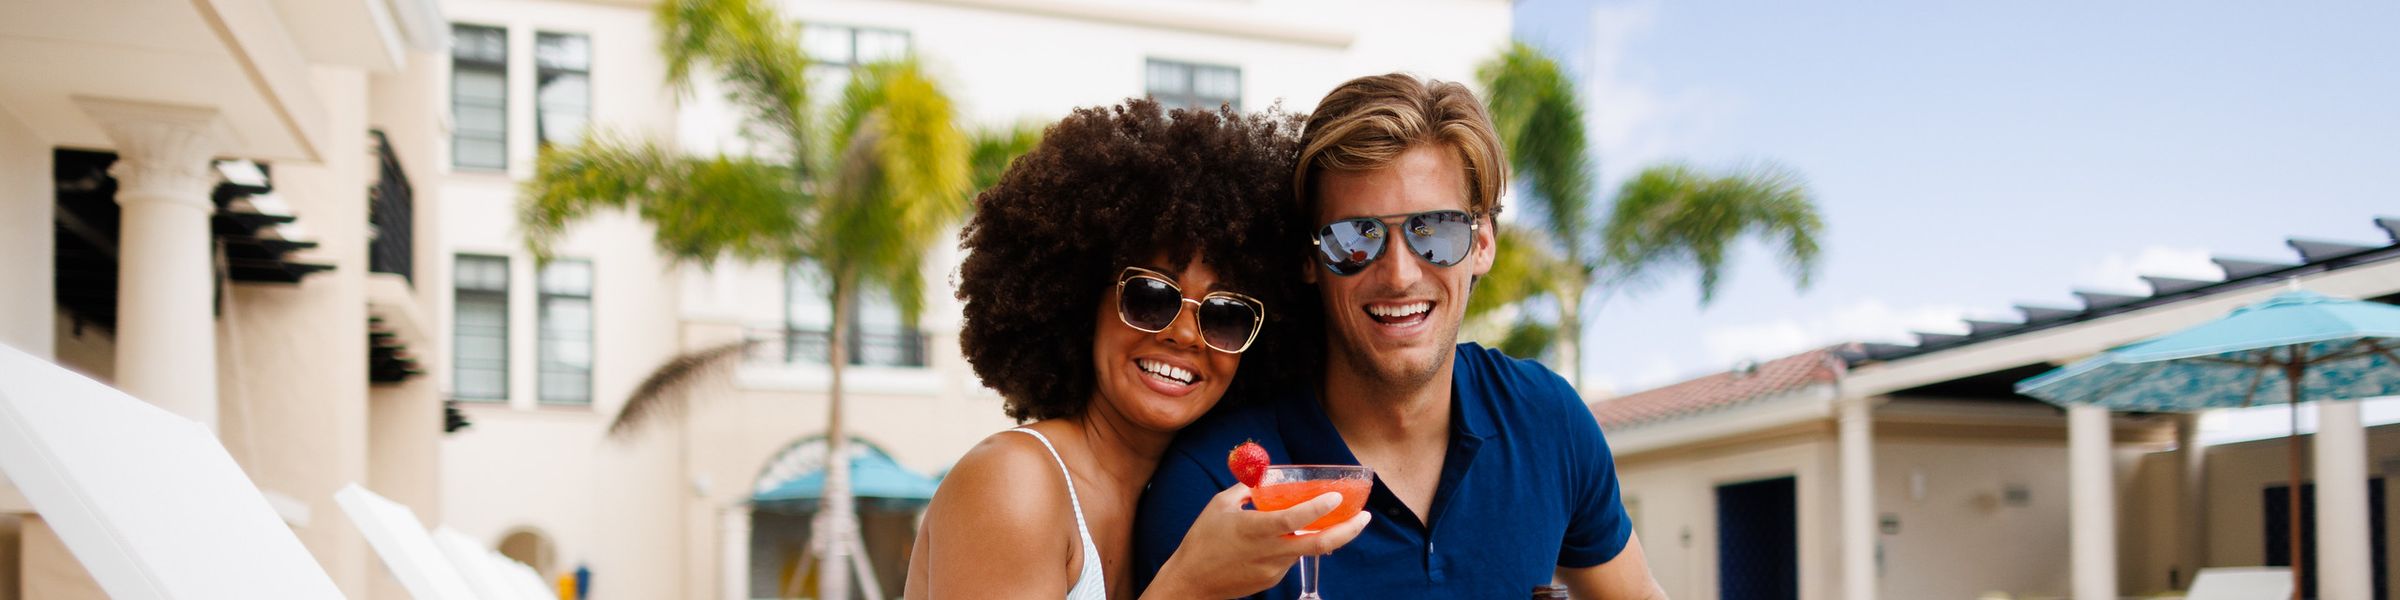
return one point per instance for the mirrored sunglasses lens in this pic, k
(1441, 238)
(1149, 304)
(1348, 246)
(1227, 323)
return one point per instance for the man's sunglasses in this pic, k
(1149, 301)
(1441, 237)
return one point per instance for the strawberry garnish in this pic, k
(1248, 462)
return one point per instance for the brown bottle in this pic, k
(1550, 592)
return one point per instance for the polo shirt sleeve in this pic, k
(1598, 527)
(1178, 490)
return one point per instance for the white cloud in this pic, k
(1652, 372)
(1633, 123)
(1869, 320)
(2122, 271)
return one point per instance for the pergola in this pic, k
(2059, 336)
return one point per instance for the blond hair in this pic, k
(1367, 123)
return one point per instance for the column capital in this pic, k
(163, 150)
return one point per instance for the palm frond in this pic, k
(901, 182)
(756, 52)
(1528, 339)
(701, 208)
(1539, 116)
(1525, 266)
(1674, 216)
(994, 149)
(668, 391)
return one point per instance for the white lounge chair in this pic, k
(148, 501)
(400, 539)
(2241, 583)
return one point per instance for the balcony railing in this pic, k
(390, 212)
(812, 346)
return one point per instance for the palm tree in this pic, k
(1667, 218)
(857, 188)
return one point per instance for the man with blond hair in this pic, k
(1491, 476)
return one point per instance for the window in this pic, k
(833, 51)
(479, 354)
(881, 337)
(878, 336)
(807, 316)
(1189, 85)
(479, 97)
(566, 322)
(562, 66)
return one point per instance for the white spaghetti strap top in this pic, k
(1091, 584)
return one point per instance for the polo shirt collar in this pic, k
(1310, 438)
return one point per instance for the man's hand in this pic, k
(1626, 577)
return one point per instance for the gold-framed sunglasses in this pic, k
(1149, 302)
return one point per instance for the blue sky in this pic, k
(1972, 155)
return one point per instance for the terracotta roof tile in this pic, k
(1721, 390)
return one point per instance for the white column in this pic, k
(733, 559)
(1858, 499)
(2092, 516)
(2342, 567)
(166, 339)
(2191, 505)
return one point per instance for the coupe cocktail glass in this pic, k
(1285, 486)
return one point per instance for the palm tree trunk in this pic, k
(839, 512)
(1570, 333)
(1570, 346)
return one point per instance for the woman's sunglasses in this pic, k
(1149, 301)
(1441, 237)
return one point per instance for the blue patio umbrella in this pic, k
(2345, 348)
(872, 475)
(2298, 345)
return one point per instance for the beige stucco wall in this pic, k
(1672, 499)
(48, 569)
(1959, 538)
(293, 391)
(549, 469)
(1962, 538)
(405, 420)
(27, 303)
(27, 300)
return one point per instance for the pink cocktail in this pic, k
(1279, 496)
(1285, 486)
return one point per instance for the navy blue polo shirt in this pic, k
(1527, 486)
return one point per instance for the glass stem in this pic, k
(1310, 574)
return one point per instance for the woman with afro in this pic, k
(1120, 280)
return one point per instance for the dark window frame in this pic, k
(850, 61)
(1189, 78)
(460, 295)
(850, 34)
(498, 67)
(811, 345)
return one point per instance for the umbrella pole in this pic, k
(2291, 375)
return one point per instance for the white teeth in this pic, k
(1394, 312)
(1164, 370)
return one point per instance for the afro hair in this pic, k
(1111, 187)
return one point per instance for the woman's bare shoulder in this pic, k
(1007, 481)
(1004, 499)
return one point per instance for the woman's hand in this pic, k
(1230, 552)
